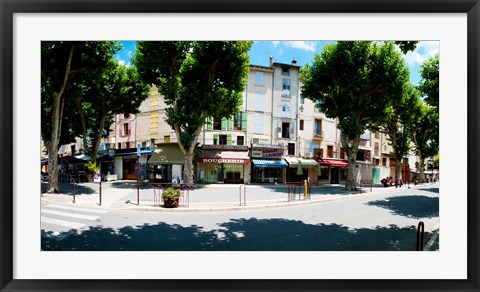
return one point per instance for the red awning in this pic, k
(333, 162)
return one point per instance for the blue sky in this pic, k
(303, 52)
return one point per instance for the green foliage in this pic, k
(406, 46)
(426, 131)
(92, 167)
(429, 86)
(355, 82)
(197, 79)
(171, 192)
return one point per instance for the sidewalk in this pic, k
(122, 195)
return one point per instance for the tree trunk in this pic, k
(188, 168)
(398, 168)
(352, 164)
(422, 171)
(57, 115)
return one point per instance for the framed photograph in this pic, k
(31, 263)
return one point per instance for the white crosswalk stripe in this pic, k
(59, 221)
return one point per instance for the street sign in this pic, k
(97, 177)
(138, 149)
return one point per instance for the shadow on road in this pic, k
(433, 190)
(236, 235)
(410, 206)
(67, 189)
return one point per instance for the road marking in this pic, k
(72, 215)
(63, 223)
(77, 209)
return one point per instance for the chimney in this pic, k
(271, 61)
(294, 62)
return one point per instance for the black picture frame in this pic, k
(9, 7)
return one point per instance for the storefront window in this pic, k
(323, 172)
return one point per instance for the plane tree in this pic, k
(197, 80)
(398, 123)
(354, 82)
(116, 90)
(63, 65)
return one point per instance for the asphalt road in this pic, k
(377, 222)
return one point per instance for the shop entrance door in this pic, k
(334, 175)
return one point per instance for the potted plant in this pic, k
(91, 168)
(170, 197)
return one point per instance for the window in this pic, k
(126, 129)
(311, 147)
(240, 140)
(217, 124)
(342, 153)
(285, 87)
(259, 124)
(259, 100)
(384, 162)
(222, 139)
(237, 121)
(318, 153)
(318, 127)
(286, 130)
(153, 120)
(166, 139)
(330, 151)
(259, 78)
(291, 148)
(377, 135)
(215, 139)
(301, 125)
(376, 148)
(361, 155)
(286, 108)
(285, 71)
(119, 145)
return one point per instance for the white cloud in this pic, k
(302, 45)
(424, 51)
(120, 61)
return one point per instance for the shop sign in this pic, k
(272, 153)
(257, 153)
(222, 160)
(97, 177)
(225, 147)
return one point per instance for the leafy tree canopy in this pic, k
(429, 86)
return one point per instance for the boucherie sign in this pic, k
(222, 160)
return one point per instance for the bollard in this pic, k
(305, 186)
(100, 193)
(420, 236)
(244, 195)
(74, 191)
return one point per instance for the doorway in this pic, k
(334, 175)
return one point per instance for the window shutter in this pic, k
(215, 138)
(342, 153)
(368, 155)
(224, 124)
(120, 127)
(230, 124)
(244, 121)
(292, 129)
(209, 123)
(229, 139)
(129, 128)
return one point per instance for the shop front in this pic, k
(166, 163)
(332, 171)
(300, 169)
(267, 164)
(223, 164)
(128, 163)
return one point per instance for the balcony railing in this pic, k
(318, 135)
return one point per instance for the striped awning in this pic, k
(269, 163)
